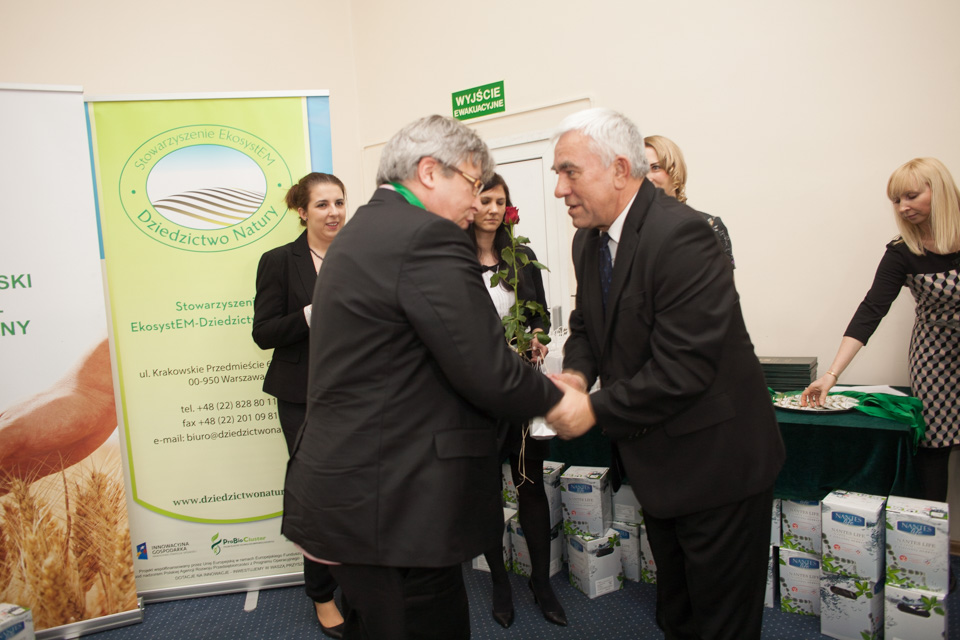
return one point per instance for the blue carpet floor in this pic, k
(288, 614)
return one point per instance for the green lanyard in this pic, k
(408, 195)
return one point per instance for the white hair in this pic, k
(444, 139)
(611, 134)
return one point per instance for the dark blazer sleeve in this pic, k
(275, 323)
(531, 289)
(579, 353)
(438, 281)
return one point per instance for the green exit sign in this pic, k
(479, 101)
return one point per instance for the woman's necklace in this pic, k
(315, 253)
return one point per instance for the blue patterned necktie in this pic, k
(606, 267)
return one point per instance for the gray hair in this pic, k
(611, 134)
(444, 139)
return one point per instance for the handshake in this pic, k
(573, 416)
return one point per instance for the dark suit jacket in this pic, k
(397, 463)
(683, 395)
(285, 281)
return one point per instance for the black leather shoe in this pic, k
(503, 603)
(333, 632)
(549, 605)
(503, 618)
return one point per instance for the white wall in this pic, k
(791, 116)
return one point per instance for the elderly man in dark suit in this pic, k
(681, 395)
(395, 472)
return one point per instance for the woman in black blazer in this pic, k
(281, 321)
(490, 237)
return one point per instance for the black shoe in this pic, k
(333, 632)
(503, 605)
(549, 605)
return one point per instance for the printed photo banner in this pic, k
(65, 547)
(190, 194)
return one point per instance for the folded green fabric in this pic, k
(905, 409)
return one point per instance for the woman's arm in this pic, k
(816, 393)
(274, 325)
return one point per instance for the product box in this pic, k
(913, 614)
(551, 485)
(918, 544)
(507, 489)
(648, 567)
(775, 524)
(626, 507)
(799, 582)
(852, 526)
(850, 608)
(595, 566)
(629, 548)
(771, 598)
(16, 622)
(801, 525)
(521, 555)
(585, 494)
(480, 562)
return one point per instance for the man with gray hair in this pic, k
(682, 395)
(394, 477)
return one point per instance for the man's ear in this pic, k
(621, 171)
(427, 171)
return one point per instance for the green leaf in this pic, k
(523, 240)
(539, 265)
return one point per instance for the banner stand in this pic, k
(94, 625)
(222, 588)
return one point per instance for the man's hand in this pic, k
(573, 415)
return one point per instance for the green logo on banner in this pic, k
(203, 188)
(479, 101)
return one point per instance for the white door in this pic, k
(543, 219)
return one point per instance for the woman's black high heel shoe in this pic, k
(549, 605)
(503, 605)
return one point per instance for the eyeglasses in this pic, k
(476, 182)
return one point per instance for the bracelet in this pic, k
(833, 374)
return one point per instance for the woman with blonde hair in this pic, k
(925, 257)
(668, 171)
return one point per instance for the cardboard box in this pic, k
(551, 485)
(850, 608)
(508, 490)
(629, 548)
(799, 582)
(918, 544)
(648, 567)
(521, 554)
(771, 598)
(852, 526)
(16, 622)
(914, 614)
(480, 562)
(585, 494)
(595, 565)
(775, 524)
(626, 507)
(801, 525)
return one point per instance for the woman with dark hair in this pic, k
(281, 321)
(490, 236)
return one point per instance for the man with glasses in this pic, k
(395, 474)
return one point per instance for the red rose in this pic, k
(511, 215)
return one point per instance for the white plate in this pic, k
(833, 404)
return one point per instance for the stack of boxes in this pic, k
(628, 522)
(594, 549)
(800, 557)
(16, 622)
(851, 579)
(771, 596)
(918, 569)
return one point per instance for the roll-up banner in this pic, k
(65, 547)
(190, 192)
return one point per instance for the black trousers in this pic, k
(392, 603)
(712, 570)
(317, 580)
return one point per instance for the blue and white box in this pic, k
(914, 614)
(626, 507)
(775, 524)
(851, 608)
(801, 525)
(16, 622)
(595, 565)
(629, 548)
(585, 494)
(551, 485)
(852, 534)
(521, 554)
(648, 567)
(799, 582)
(918, 544)
(508, 489)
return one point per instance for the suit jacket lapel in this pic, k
(626, 252)
(304, 265)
